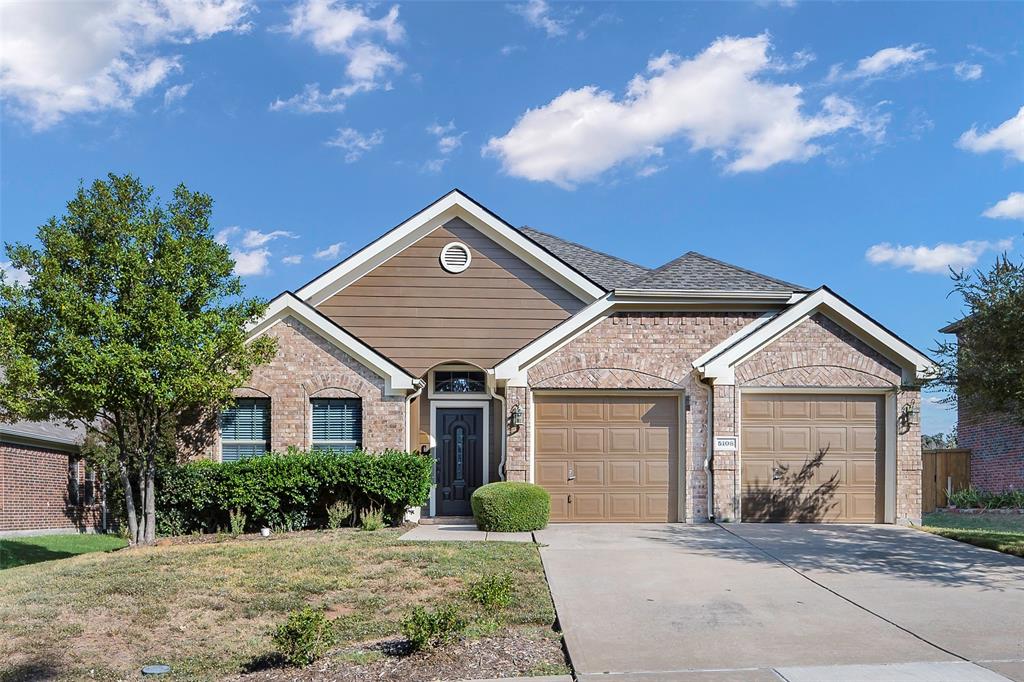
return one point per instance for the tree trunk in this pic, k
(142, 530)
(129, 503)
(150, 510)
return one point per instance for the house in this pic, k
(45, 486)
(692, 391)
(996, 443)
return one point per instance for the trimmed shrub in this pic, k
(290, 490)
(511, 506)
(425, 629)
(305, 637)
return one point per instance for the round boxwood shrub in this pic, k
(511, 506)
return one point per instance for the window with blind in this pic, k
(245, 429)
(337, 424)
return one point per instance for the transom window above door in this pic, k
(458, 381)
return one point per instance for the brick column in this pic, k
(517, 449)
(726, 462)
(908, 459)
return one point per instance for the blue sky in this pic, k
(867, 146)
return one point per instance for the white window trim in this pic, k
(220, 434)
(486, 449)
(313, 442)
(455, 396)
(890, 435)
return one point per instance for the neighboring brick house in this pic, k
(996, 443)
(44, 484)
(692, 391)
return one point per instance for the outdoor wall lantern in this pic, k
(911, 415)
(515, 416)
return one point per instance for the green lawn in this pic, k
(18, 551)
(207, 606)
(1001, 532)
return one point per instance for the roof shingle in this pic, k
(607, 271)
(696, 272)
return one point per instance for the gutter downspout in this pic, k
(408, 408)
(492, 388)
(708, 473)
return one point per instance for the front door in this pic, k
(460, 458)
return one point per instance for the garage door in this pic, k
(607, 458)
(813, 458)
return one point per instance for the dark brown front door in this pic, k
(460, 458)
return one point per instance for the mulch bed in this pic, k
(514, 653)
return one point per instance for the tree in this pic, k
(131, 323)
(984, 368)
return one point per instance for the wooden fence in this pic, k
(943, 471)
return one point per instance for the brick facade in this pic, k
(655, 351)
(308, 366)
(34, 491)
(997, 449)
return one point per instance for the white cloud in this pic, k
(12, 274)
(292, 260)
(253, 262)
(330, 251)
(1008, 137)
(346, 30)
(65, 58)
(448, 140)
(934, 259)
(222, 236)
(1012, 207)
(175, 93)
(967, 72)
(354, 143)
(649, 170)
(254, 238)
(717, 100)
(538, 14)
(890, 58)
(507, 50)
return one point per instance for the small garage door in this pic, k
(813, 458)
(607, 458)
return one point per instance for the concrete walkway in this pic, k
(445, 533)
(769, 602)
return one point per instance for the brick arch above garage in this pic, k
(818, 352)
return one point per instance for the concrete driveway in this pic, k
(793, 602)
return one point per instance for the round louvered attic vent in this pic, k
(455, 257)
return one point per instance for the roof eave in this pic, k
(783, 296)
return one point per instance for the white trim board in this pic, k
(455, 204)
(396, 380)
(720, 362)
(486, 449)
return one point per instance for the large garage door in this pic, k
(813, 458)
(607, 458)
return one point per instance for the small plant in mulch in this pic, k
(492, 591)
(305, 637)
(427, 629)
(339, 515)
(236, 521)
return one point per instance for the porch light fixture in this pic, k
(910, 415)
(515, 416)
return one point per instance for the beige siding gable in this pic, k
(418, 315)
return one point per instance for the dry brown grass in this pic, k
(207, 608)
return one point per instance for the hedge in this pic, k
(289, 490)
(511, 506)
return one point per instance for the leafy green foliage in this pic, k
(939, 441)
(972, 498)
(426, 629)
(984, 368)
(511, 506)
(132, 323)
(290, 490)
(493, 591)
(305, 637)
(339, 514)
(372, 519)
